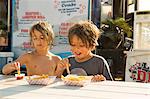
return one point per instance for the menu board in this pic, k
(61, 14)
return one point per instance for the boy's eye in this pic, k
(72, 45)
(42, 37)
(77, 45)
(82, 45)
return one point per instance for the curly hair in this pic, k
(86, 31)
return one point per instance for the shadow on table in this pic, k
(2, 77)
(17, 90)
(67, 87)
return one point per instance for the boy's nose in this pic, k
(39, 41)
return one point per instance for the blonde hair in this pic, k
(46, 30)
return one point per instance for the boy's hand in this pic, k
(16, 66)
(63, 64)
(8, 68)
(97, 78)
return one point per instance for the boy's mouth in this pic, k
(39, 44)
(77, 53)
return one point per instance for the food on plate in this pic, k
(75, 80)
(40, 79)
(36, 77)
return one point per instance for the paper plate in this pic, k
(74, 80)
(40, 80)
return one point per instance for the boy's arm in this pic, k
(8, 68)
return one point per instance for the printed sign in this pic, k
(140, 72)
(61, 14)
(138, 66)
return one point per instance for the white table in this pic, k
(20, 89)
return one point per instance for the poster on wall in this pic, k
(61, 14)
(138, 66)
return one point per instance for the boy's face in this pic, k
(79, 49)
(38, 40)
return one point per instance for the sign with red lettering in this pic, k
(140, 72)
(138, 66)
(61, 14)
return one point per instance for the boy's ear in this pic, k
(93, 48)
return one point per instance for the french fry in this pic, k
(67, 68)
(62, 77)
(17, 64)
(18, 72)
(43, 76)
